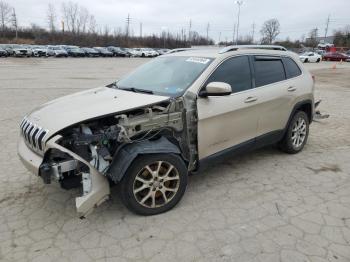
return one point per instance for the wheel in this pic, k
(318, 60)
(306, 60)
(153, 184)
(143, 55)
(296, 135)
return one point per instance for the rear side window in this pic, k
(292, 69)
(234, 71)
(268, 71)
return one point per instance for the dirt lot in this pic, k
(262, 206)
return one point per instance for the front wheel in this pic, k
(154, 184)
(296, 134)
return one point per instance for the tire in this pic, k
(143, 55)
(296, 135)
(306, 60)
(150, 200)
(318, 60)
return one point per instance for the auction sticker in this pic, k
(199, 60)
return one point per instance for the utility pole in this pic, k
(190, 32)
(239, 3)
(141, 30)
(14, 22)
(253, 32)
(208, 26)
(62, 23)
(128, 21)
(234, 33)
(326, 30)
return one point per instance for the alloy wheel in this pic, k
(156, 184)
(299, 132)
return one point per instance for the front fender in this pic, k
(126, 155)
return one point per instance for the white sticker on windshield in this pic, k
(200, 60)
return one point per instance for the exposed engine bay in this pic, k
(94, 146)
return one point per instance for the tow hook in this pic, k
(318, 115)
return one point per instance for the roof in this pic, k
(230, 50)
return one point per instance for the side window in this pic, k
(268, 71)
(234, 71)
(292, 69)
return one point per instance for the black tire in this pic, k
(306, 60)
(287, 144)
(138, 168)
(318, 60)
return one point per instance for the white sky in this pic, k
(297, 17)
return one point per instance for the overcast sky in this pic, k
(297, 17)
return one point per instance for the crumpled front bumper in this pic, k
(100, 188)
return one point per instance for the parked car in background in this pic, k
(9, 49)
(335, 56)
(117, 51)
(134, 52)
(170, 117)
(147, 52)
(3, 52)
(177, 50)
(39, 50)
(162, 51)
(21, 51)
(56, 51)
(75, 51)
(90, 52)
(310, 57)
(103, 51)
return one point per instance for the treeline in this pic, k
(79, 27)
(37, 35)
(342, 37)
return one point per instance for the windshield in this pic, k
(169, 76)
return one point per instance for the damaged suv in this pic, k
(169, 118)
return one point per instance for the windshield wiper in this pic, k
(137, 90)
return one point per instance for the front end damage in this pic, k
(96, 153)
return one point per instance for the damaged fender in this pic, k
(126, 155)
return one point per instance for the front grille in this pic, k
(33, 135)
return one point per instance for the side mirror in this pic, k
(216, 89)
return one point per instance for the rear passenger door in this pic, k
(275, 93)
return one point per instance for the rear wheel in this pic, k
(154, 184)
(306, 60)
(318, 60)
(296, 134)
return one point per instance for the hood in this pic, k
(72, 109)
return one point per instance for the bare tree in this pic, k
(70, 15)
(270, 30)
(5, 16)
(51, 17)
(92, 24)
(83, 19)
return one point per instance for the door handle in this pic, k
(292, 89)
(250, 99)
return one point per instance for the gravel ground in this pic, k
(261, 206)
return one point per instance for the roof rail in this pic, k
(237, 47)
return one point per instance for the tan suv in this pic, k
(171, 117)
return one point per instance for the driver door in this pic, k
(228, 121)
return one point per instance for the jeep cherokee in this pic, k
(169, 118)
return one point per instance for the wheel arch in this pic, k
(124, 157)
(305, 106)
